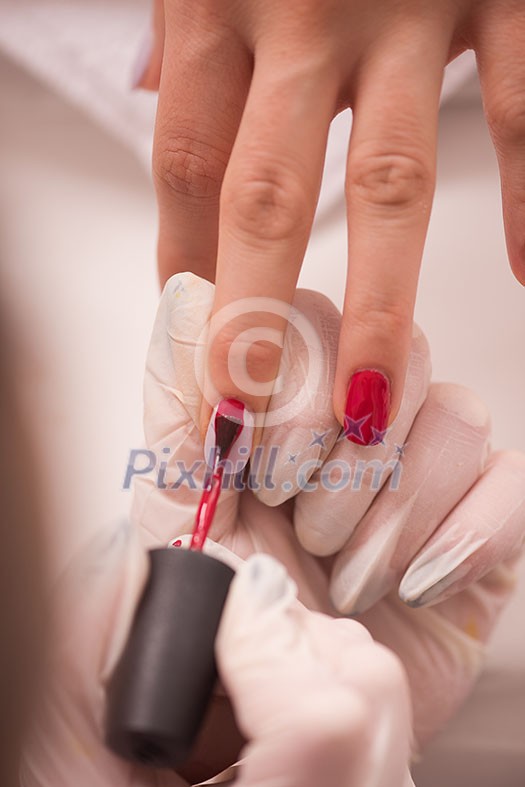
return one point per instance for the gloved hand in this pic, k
(420, 543)
(311, 715)
(308, 692)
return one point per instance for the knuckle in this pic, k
(381, 318)
(390, 180)
(506, 120)
(462, 404)
(188, 168)
(269, 204)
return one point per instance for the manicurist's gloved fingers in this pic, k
(500, 42)
(309, 719)
(389, 189)
(302, 447)
(339, 493)
(456, 585)
(201, 96)
(444, 456)
(485, 529)
(268, 202)
(168, 475)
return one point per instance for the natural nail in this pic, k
(436, 569)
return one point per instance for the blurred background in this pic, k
(77, 259)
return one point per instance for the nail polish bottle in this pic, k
(162, 686)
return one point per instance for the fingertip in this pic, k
(516, 252)
(462, 403)
(367, 410)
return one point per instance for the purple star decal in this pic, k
(354, 428)
(378, 436)
(291, 459)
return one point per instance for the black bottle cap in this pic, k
(162, 685)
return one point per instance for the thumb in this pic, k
(307, 723)
(168, 477)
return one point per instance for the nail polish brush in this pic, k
(162, 686)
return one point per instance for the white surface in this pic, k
(77, 236)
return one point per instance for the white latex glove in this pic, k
(309, 693)
(312, 716)
(444, 541)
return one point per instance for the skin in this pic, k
(246, 95)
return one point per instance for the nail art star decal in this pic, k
(319, 438)
(353, 428)
(292, 458)
(378, 436)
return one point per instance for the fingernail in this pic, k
(359, 597)
(267, 581)
(431, 574)
(367, 407)
(229, 436)
(142, 60)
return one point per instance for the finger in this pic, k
(168, 476)
(148, 64)
(377, 674)
(205, 77)
(441, 661)
(444, 456)
(308, 725)
(389, 188)
(300, 426)
(338, 494)
(499, 43)
(486, 528)
(267, 206)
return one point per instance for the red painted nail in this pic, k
(367, 407)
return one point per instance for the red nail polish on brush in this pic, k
(161, 687)
(367, 407)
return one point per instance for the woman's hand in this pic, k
(247, 91)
